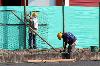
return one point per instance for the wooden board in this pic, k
(56, 60)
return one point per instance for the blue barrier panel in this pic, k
(81, 21)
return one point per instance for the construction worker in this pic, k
(68, 38)
(33, 23)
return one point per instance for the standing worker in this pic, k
(33, 23)
(68, 38)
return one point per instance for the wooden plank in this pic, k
(90, 3)
(55, 60)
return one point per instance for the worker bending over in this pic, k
(68, 38)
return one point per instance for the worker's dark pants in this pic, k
(69, 51)
(32, 41)
(71, 48)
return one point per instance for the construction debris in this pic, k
(45, 55)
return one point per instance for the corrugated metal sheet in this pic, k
(81, 21)
(84, 0)
(84, 3)
(90, 3)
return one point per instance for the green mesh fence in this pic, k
(11, 34)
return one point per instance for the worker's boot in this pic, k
(65, 55)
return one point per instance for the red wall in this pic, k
(22, 4)
(80, 2)
(59, 2)
(0, 2)
(84, 2)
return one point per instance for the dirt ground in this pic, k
(24, 55)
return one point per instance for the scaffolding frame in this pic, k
(25, 24)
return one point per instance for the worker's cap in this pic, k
(34, 14)
(59, 35)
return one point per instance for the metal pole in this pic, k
(99, 26)
(63, 4)
(24, 25)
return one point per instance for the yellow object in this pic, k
(34, 14)
(59, 35)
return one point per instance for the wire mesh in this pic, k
(11, 35)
